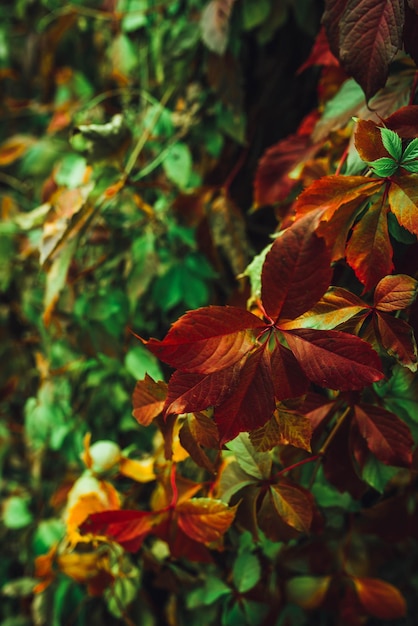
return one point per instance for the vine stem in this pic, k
(333, 432)
(322, 451)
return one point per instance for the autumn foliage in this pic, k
(265, 472)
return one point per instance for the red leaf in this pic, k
(207, 340)
(320, 53)
(288, 378)
(397, 337)
(188, 392)
(199, 431)
(369, 251)
(148, 400)
(214, 23)
(368, 141)
(272, 182)
(404, 121)
(331, 192)
(296, 271)
(394, 293)
(128, 528)
(365, 35)
(334, 359)
(252, 404)
(410, 32)
(205, 520)
(386, 435)
(403, 200)
(379, 598)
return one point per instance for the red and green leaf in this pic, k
(397, 338)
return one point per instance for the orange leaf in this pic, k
(13, 148)
(205, 520)
(148, 400)
(379, 598)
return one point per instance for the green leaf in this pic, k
(392, 143)
(376, 474)
(246, 571)
(411, 151)
(256, 464)
(399, 232)
(47, 533)
(253, 271)
(411, 166)
(71, 171)
(140, 361)
(384, 167)
(178, 164)
(134, 14)
(211, 590)
(16, 513)
(254, 13)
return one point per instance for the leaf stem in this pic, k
(315, 457)
(174, 489)
(333, 432)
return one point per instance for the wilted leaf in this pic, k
(14, 148)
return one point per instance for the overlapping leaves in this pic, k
(241, 364)
(353, 210)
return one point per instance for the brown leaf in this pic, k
(148, 400)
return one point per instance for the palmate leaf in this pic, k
(365, 35)
(239, 364)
